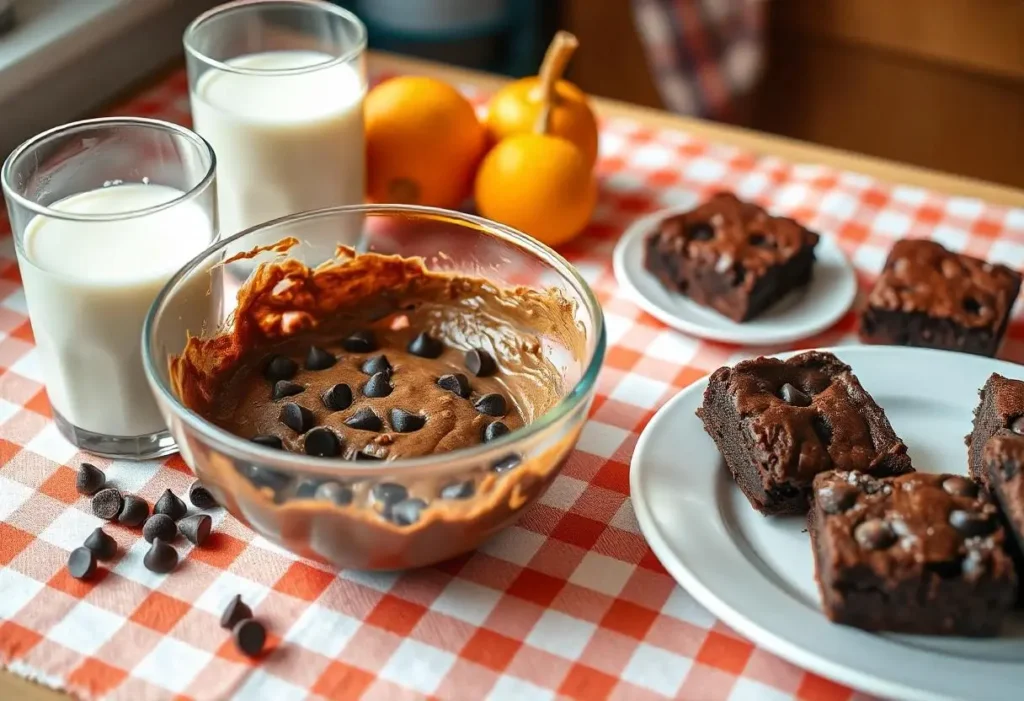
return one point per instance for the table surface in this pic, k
(746, 142)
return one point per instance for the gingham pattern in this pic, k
(570, 603)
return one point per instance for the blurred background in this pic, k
(936, 83)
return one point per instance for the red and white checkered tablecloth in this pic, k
(568, 604)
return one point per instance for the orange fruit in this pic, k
(516, 109)
(537, 183)
(423, 142)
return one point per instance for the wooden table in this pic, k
(14, 687)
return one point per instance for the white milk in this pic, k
(284, 143)
(89, 286)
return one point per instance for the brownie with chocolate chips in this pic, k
(731, 256)
(918, 553)
(1003, 463)
(778, 423)
(931, 297)
(1000, 406)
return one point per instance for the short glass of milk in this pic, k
(277, 88)
(104, 212)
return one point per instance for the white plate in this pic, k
(757, 573)
(799, 314)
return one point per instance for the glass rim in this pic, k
(418, 466)
(107, 122)
(243, 5)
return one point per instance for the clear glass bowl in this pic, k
(270, 490)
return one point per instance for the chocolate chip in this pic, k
(306, 488)
(406, 422)
(507, 463)
(279, 367)
(837, 498)
(378, 386)
(491, 404)
(286, 388)
(1017, 425)
(495, 430)
(971, 305)
(319, 359)
(103, 546)
(171, 505)
(406, 512)
(159, 526)
(456, 383)
(334, 492)
(791, 395)
(700, 231)
(874, 534)
(366, 456)
(960, 487)
(268, 441)
(161, 558)
(322, 443)
(107, 503)
(388, 493)
(90, 479)
(196, 528)
(133, 512)
(236, 611)
(337, 397)
(971, 523)
(480, 362)
(82, 563)
(200, 496)
(360, 342)
(458, 490)
(266, 477)
(378, 363)
(297, 418)
(250, 636)
(364, 420)
(426, 346)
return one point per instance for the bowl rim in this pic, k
(414, 467)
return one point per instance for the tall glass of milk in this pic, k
(277, 88)
(104, 212)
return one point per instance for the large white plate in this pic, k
(799, 314)
(757, 573)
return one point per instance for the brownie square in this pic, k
(918, 553)
(930, 297)
(1003, 460)
(1001, 405)
(779, 423)
(731, 256)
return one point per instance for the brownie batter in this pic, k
(374, 357)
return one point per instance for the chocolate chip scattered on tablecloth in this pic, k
(134, 511)
(90, 479)
(200, 496)
(82, 563)
(250, 635)
(102, 544)
(171, 505)
(159, 526)
(161, 557)
(196, 528)
(107, 503)
(236, 610)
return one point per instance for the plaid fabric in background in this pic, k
(569, 603)
(702, 53)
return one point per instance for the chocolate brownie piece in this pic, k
(930, 297)
(731, 256)
(1001, 406)
(779, 423)
(918, 553)
(1003, 459)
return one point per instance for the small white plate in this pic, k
(799, 314)
(757, 573)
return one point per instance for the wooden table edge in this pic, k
(756, 142)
